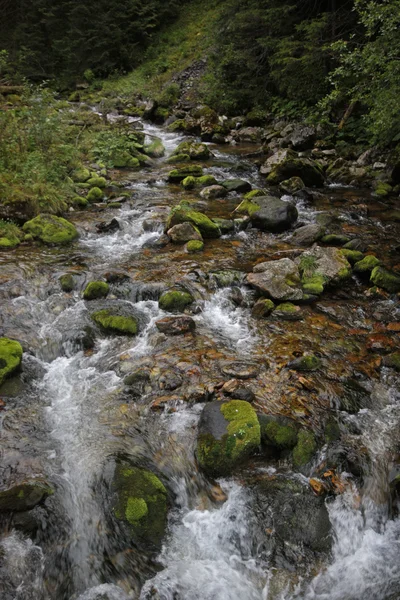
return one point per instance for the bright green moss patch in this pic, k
(115, 324)
(177, 175)
(136, 509)
(79, 202)
(195, 150)
(304, 449)
(51, 230)
(10, 235)
(255, 194)
(95, 290)
(313, 285)
(99, 182)
(194, 246)
(10, 357)
(333, 239)
(95, 195)
(174, 300)
(353, 256)
(189, 182)
(367, 264)
(177, 158)
(80, 175)
(385, 279)
(184, 214)
(278, 432)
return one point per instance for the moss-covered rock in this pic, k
(237, 185)
(278, 432)
(285, 164)
(308, 362)
(353, 256)
(288, 312)
(99, 182)
(194, 246)
(225, 225)
(292, 185)
(175, 300)
(184, 214)
(80, 175)
(320, 267)
(25, 495)
(8, 243)
(67, 282)
(79, 202)
(247, 207)
(10, 357)
(255, 194)
(262, 308)
(114, 323)
(95, 290)
(383, 189)
(177, 175)
(195, 150)
(393, 361)
(51, 230)
(140, 501)
(121, 159)
(177, 158)
(304, 449)
(95, 195)
(156, 149)
(367, 264)
(334, 239)
(189, 182)
(385, 279)
(228, 433)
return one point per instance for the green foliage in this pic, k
(117, 147)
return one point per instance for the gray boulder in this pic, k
(182, 233)
(278, 279)
(274, 215)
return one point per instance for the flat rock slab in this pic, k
(176, 325)
(278, 279)
(240, 369)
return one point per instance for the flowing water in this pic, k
(69, 412)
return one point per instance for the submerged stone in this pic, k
(50, 229)
(10, 357)
(308, 362)
(229, 432)
(176, 325)
(25, 495)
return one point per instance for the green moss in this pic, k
(246, 207)
(367, 264)
(122, 159)
(353, 256)
(189, 182)
(115, 324)
(174, 300)
(385, 279)
(10, 357)
(95, 195)
(383, 189)
(114, 205)
(305, 448)
(79, 202)
(205, 180)
(99, 182)
(80, 175)
(10, 235)
(288, 307)
(67, 282)
(176, 158)
(95, 290)
(334, 239)
(313, 285)
(278, 432)
(332, 430)
(136, 509)
(177, 175)
(8, 244)
(393, 361)
(141, 502)
(242, 437)
(344, 273)
(51, 230)
(195, 150)
(156, 149)
(178, 125)
(194, 246)
(184, 214)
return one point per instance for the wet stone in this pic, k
(240, 369)
(176, 325)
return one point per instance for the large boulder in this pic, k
(184, 232)
(273, 214)
(228, 433)
(320, 267)
(184, 214)
(278, 279)
(50, 229)
(285, 164)
(140, 503)
(10, 357)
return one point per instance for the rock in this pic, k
(278, 432)
(177, 158)
(175, 300)
(278, 279)
(213, 191)
(237, 185)
(292, 185)
(184, 232)
(228, 433)
(195, 150)
(50, 229)
(24, 495)
(95, 195)
(67, 282)
(10, 357)
(156, 149)
(392, 361)
(194, 246)
(287, 312)
(240, 369)
(199, 182)
(176, 325)
(298, 519)
(177, 175)
(97, 182)
(225, 225)
(285, 164)
(302, 138)
(268, 213)
(306, 363)
(184, 214)
(308, 234)
(241, 393)
(334, 239)
(304, 449)
(388, 280)
(140, 502)
(108, 226)
(80, 175)
(262, 308)
(353, 256)
(320, 267)
(355, 244)
(225, 278)
(95, 290)
(114, 323)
